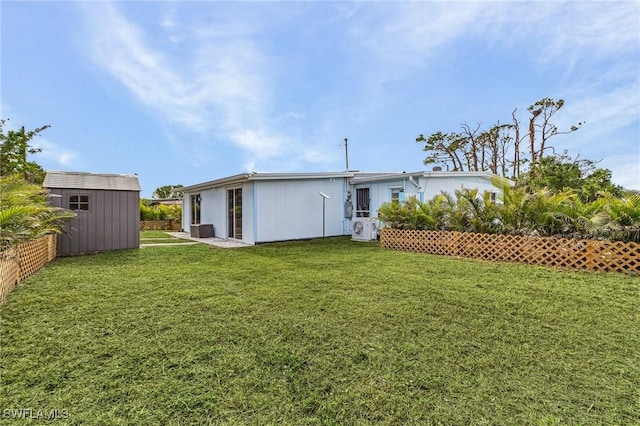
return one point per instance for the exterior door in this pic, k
(363, 202)
(234, 213)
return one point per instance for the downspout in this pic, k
(254, 212)
(346, 188)
(186, 212)
(426, 177)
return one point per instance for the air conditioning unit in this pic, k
(363, 229)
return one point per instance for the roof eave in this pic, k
(216, 183)
(253, 176)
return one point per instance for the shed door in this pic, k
(234, 213)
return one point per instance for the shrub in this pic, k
(161, 212)
(521, 212)
(25, 214)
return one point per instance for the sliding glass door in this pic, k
(234, 213)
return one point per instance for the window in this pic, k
(362, 200)
(79, 202)
(395, 195)
(195, 209)
(493, 197)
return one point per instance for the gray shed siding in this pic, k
(111, 223)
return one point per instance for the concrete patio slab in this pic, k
(213, 241)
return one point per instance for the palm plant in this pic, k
(442, 208)
(391, 215)
(411, 214)
(571, 217)
(521, 211)
(475, 213)
(511, 214)
(528, 212)
(25, 214)
(624, 216)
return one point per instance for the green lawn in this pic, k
(319, 332)
(160, 237)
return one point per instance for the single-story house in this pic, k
(107, 208)
(265, 207)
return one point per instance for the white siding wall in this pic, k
(248, 220)
(292, 209)
(212, 210)
(432, 186)
(380, 192)
(277, 210)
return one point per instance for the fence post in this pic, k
(456, 243)
(589, 250)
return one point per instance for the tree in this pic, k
(540, 125)
(168, 191)
(561, 173)
(444, 148)
(24, 212)
(497, 149)
(14, 148)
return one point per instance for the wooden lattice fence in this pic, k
(160, 225)
(609, 256)
(23, 260)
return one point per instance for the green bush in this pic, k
(161, 212)
(147, 212)
(521, 212)
(25, 214)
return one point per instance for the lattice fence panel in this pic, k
(23, 260)
(51, 249)
(614, 256)
(9, 272)
(420, 241)
(159, 225)
(32, 256)
(609, 256)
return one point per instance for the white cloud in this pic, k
(403, 36)
(262, 145)
(119, 46)
(168, 20)
(222, 78)
(217, 85)
(596, 43)
(53, 155)
(585, 31)
(604, 111)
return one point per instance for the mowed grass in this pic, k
(160, 237)
(319, 332)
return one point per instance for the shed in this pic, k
(107, 208)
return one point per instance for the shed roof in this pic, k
(80, 180)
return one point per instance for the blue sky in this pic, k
(185, 92)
